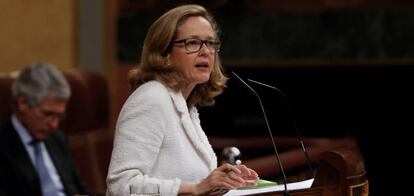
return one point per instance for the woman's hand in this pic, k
(248, 175)
(224, 178)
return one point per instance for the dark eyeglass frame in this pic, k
(51, 114)
(212, 45)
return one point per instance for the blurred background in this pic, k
(346, 66)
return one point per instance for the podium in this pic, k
(341, 172)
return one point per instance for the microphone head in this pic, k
(245, 83)
(263, 84)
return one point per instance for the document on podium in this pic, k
(266, 189)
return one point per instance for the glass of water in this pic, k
(147, 189)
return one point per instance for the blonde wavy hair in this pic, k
(157, 45)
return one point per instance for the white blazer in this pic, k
(158, 140)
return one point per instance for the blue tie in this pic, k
(46, 182)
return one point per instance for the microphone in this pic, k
(231, 155)
(298, 135)
(286, 193)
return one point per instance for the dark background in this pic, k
(373, 103)
(248, 35)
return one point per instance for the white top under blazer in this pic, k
(158, 140)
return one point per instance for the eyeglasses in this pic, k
(194, 45)
(52, 115)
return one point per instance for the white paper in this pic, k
(290, 186)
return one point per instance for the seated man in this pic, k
(34, 157)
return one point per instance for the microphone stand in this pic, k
(293, 121)
(286, 192)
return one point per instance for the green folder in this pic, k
(259, 183)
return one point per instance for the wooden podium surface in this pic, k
(341, 172)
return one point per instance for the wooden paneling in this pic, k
(39, 30)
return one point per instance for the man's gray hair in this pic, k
(37, 81)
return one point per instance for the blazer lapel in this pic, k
(54, 154)
(191, 124)
(58, 157)
(19, 155)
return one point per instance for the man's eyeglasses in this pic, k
(52, 115)
(194, 45)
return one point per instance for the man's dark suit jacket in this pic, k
(17, 173)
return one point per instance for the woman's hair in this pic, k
(37, 81)
(154, 63)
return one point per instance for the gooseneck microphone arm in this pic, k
(305, 151)
(286, 193)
